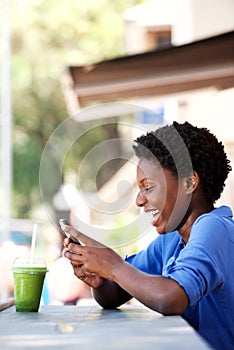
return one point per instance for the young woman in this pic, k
(188, 269)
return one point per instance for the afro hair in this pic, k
(183, 148)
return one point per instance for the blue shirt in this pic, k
(204, 267)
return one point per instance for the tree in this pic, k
(46, 37)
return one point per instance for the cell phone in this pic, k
(64, 222)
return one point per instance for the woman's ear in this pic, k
(191, 182)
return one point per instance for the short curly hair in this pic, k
(183, 148)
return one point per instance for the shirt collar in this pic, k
(224, 210)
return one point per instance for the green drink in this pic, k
(29, 277)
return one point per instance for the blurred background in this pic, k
(131, 65)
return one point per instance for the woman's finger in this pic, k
(82, 237)
(76, 259)
(66, 241)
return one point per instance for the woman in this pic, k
(188, 269)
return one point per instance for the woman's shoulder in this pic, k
(222, 214)
(216, 222)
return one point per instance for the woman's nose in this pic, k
(140, 199)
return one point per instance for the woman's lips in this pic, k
(156, 215)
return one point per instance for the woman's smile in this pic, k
(162, 195)
(155, 214)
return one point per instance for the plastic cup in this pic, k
(29, 275)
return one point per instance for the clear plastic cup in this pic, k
(29, 275)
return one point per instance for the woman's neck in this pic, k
(193, 212)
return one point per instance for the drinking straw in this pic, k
(33, 243)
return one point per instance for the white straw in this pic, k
(33, 243)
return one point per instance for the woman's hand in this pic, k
(93, 261)
(116, 281)
(91, 280)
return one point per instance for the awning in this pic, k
(201, 64)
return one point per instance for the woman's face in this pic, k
(162, 195)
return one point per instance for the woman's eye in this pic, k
(148, 188)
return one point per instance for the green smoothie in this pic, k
(28, 284)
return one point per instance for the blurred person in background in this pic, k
(17, 245)
(64, 288)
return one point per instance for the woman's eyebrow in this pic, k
(145, 179)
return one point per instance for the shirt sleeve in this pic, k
(199, 268)
(150, 259)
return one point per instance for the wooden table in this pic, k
(90, 327)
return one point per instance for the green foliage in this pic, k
(47, 36)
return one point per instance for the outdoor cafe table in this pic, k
(91, 327)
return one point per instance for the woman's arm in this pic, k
(114, 281)
(158, 293)
(110, 295)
